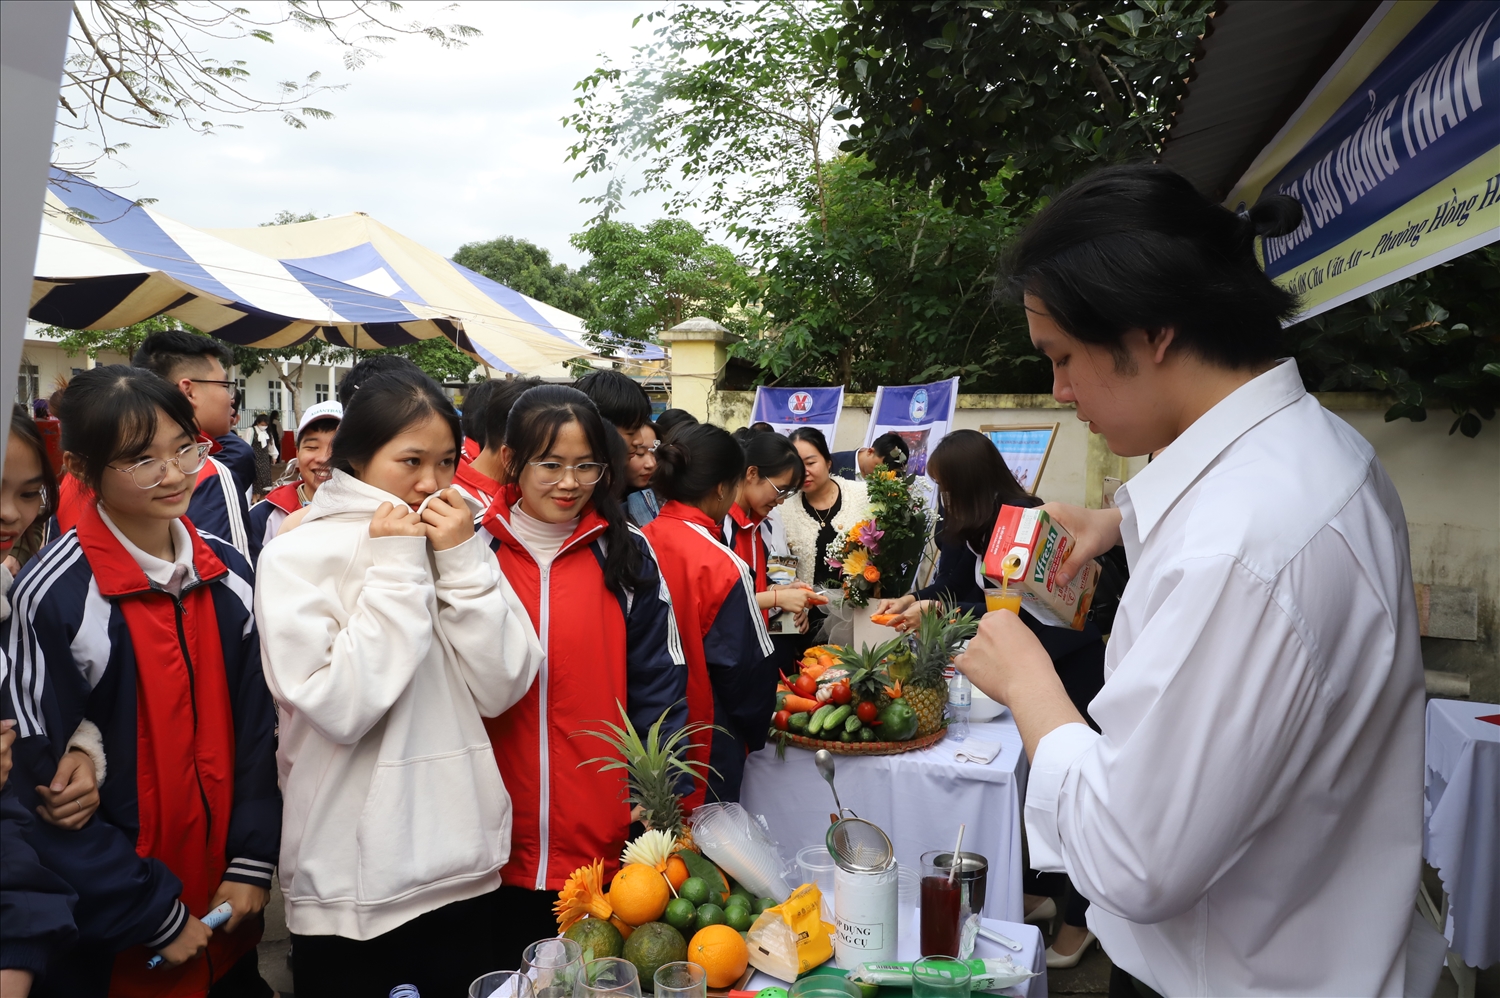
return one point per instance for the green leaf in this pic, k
(698, 866)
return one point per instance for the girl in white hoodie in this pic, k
(389, 633)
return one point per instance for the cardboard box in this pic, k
(1027, 548)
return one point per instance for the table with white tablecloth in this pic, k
(918, 799)
(1461, 838)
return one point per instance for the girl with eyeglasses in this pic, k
(591, 587)
(773, 473)
(144, 626)
(389, 635)
(699, 470)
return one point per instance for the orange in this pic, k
(677, 871)
(638, 894)
(722, 954)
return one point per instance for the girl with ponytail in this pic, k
(590, 583)
(699, 470)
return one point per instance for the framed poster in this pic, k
(1025, 449)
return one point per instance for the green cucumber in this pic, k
(853, 723)
(819, 716)
(798, 723)
(834, 721)
(846, 736)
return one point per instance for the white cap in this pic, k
(331, 409)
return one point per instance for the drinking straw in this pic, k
(957, 846)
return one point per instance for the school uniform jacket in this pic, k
(743, 536)
(175, 687)
(724, 640)
(236, 454)
(218, 506)
(266, 516)
(481, 486)
(600, 648)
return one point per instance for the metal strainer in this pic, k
(859, 846)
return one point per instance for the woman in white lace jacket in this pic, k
(823, 513)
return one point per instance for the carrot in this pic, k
(885, 619)
(816, 671)
(794, 704)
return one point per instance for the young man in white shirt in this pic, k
(1249, 819)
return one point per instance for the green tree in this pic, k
(897, 290)
(524, 266)
(728, 110)
(649, 279)
(952, 91)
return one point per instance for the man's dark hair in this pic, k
(892, 450)
(476, 401)
(502, 401)
(619, 398)
(366, 369)
(671, 419)
(165, 352)
(1137, 247)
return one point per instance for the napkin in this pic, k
(977, 751)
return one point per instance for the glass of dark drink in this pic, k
(943, 907)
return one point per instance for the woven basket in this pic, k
(863, 748)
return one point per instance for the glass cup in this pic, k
(943, 909)
(502, 984)
(1002, 599)
(553, 966)
(825, 986)
(681, 980)
(939, 977)
(609, 977)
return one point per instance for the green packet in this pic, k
(992, 974)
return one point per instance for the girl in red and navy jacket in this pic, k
(773, 472)
(591, 584)
(138, 623)
(698, 471)
(314, 467)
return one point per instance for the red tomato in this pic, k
(867, 712)
(806, 686)
(841, 693)
(780, 719)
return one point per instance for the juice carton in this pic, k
(1027, 549)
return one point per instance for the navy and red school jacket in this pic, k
(174, 684)
(742, 534)
(264, 519)
(601, 648)
(476, 483)
(725, 641)
(236, 455)
(218, 506)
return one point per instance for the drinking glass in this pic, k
(681, 980)
(939, 977)
(825, 986)
(553, 966)
(609, 977)
(502, 984)
(943, 909)
(1002, 599)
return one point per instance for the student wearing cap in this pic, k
(314, 448)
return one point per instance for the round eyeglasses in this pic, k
(549, 473)
(148, 474)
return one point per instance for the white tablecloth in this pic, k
(917, 798)
(1462, 834)
(1033, 956)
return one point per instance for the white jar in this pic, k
(865, 909)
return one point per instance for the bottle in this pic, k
(960, 698)
(405, 991)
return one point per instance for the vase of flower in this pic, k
(880, 555)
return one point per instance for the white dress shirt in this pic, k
(1250, 820)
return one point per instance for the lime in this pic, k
(710, 914)
(741, 891)
(695, 890)
(681, 915)
(738, 917)
(739, 901)
(761, 904)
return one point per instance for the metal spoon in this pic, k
(824, 760)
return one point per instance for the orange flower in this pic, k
(871, 573)
(583, 895)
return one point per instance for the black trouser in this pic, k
(440, 953)
(1123, 985)
(1082, 675)
(523, 917)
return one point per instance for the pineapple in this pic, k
(866, 675)
(939, 633)
(653, 768)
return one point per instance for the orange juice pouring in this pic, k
(1005, 598)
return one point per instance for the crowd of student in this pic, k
(368, 680)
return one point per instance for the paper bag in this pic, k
(791, 938)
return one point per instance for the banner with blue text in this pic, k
(1394, 156)
(921, 414)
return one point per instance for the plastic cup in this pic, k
(908, 891)
(502, 984)
(609, 977)
(825, 986)
(681, 980)
(553, 966)
(817, 867)
(1002, 599)
(939, 977)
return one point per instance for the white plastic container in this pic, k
(865, 914)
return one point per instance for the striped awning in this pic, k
(104, 262)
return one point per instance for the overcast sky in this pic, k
(446, 146)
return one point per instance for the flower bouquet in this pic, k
(881, 553)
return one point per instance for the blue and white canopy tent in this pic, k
(105, 262)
